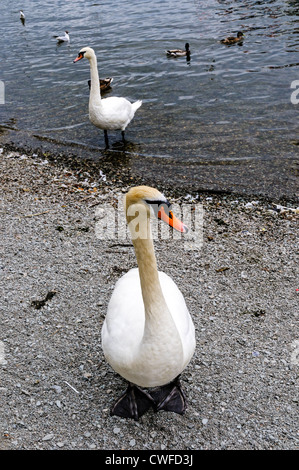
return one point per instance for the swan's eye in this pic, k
(158, 205)
(162, 210)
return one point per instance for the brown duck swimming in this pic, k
(233, 39)
(105, 84)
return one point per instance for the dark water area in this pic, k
(225, 121)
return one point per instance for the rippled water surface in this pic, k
(223, 121)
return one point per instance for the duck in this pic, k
(65, 38)
(105, 84)
(148, 336)
(179, 52)
(233, 39)
(22, 17)
(111, 113)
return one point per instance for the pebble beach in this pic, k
(57, 275)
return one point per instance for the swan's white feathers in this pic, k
(112, 113)
(118, 330)
(180, 314)
(143, 193)
(122, 332)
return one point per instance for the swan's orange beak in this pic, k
(80, 56)
(171, 220)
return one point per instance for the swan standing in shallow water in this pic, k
(111, 113)
(148, 336)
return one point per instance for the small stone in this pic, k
(204, 421)
(48, 437)
(116, 430)
(132, 442)
(87, 375)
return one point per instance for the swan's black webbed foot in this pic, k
(170, 397)
(133, 403)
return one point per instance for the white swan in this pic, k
(65, 38)
(148, 336)
(111, 113)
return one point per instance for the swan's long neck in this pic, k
(153, 298)
(95, 94)
(161, 347)
(157, 315)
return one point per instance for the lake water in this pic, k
(225, 121)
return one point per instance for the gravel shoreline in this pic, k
(57, 276)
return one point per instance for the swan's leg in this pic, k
(106, 138)
(170, 397)
(123, 136)
(133, 403)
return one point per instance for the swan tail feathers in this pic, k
(136, 105)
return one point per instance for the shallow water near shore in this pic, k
(227, 120)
